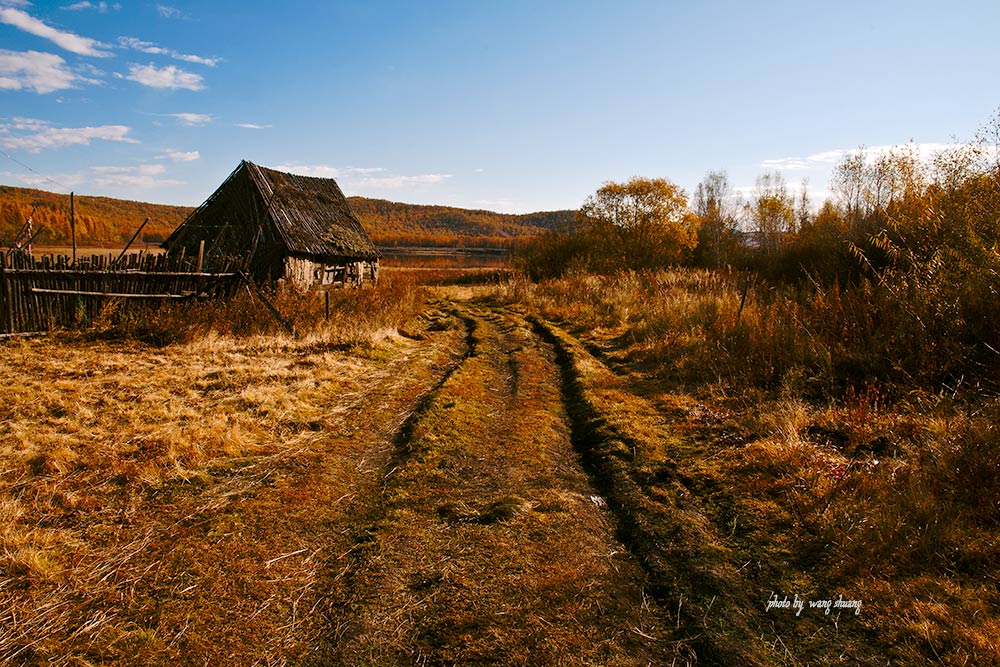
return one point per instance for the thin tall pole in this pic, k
(72, 225)
(131, 241)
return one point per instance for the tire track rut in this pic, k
(488, 543)
(659, 519)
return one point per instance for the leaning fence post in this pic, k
(274, 311)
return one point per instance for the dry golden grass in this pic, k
(398, 486)
(818, 486)
(263, 499)
(489, 545)
(164, 504)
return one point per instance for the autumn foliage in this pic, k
(397, 224)
(103, 221)
(642, 223)
(100, 221)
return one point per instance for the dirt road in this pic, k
(438, 510)
(486, 542)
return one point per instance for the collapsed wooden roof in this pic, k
(306, 215)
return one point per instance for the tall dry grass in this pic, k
(102, 430)
(698, 326)
(842, 454)
(354, 314)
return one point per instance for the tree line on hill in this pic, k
(100, 221)
(103, 221)
(395, 224)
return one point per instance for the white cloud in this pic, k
(41, 72)
(156, 49)
(87, 68)
(101, 178)
(43, 182)
(827, 157)
(324, 171)
(498, 205)
(140, 45)
(35, 136)
(362, 178)
(394, 182)
(253, 126)
(21, 123)
(924, 152)
(200, 60)
(168, 12)
(33, 70)
(83, 46)
(141, 176)
(182, 156)
(101, 7)
(165, 77)
(191, 119)
(787, 164)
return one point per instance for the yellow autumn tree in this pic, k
(642, 223)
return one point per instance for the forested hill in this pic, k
(99, 220)
(107, 221)
(393, 223)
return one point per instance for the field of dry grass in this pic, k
(174, 502)
(484, 471)
(401, 488)
(875, 493)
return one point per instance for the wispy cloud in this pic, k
(156, 49)
(101, 7)
(395, 182)
(35, 136)
(140, 176)
(100, 178)
(191, 119)
(83, 46)
(325, 171)
(498, 205)
(181, 156)
(168, 12)
(253, 126)
(43, 182)
(364, 178)
(22, 123)
(37, 71)
(165, 77)
(925, 152)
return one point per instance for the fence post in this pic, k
(72, 225)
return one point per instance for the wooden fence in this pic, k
(48, 292)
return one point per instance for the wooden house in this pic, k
(280, 226)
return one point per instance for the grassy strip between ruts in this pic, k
(627, 448)
(489, 545)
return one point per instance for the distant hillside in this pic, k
(393, 223)
(99, 220)
(106, 221)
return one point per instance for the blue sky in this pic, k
(512, 106)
